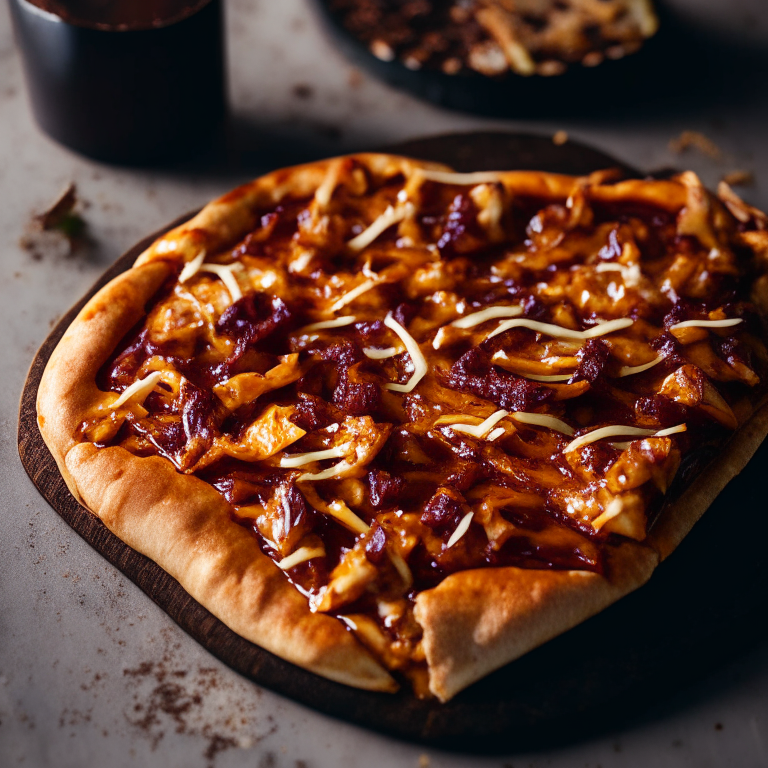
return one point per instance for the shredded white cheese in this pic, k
(380, 225)
(347, 517)
(337, 322)
(353, 294)
(707, 323)
(324, 192)
(617, 431)
(418, 359)
(461, 529)
(191, 268)
(138, 390)
(630, 274)
(325, 474)
(490, 313)
(555, 377)
(601, 329)
(402, 567)
(464, 179)
(379, 354)
(501, 355)
(480, 430)
(301, 459)
(301, 555)
(226, 272)
(629, 370)
(496, 434)
(301, 262)
(614, 508)
(542, 420)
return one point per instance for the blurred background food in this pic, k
(493, 37)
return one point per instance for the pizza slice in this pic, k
(392, 422)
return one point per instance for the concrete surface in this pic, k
(91, 671)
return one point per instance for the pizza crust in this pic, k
(474, 621)
(183, 524)
(68, 388)
(477, 621)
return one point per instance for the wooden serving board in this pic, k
(702, 607)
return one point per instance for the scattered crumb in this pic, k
(355, 78)
(559, 138)
(303, 91)
(58, 231)
(693, 139)
(739, 178)
(423, 761)
(166, 699)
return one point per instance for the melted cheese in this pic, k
(325, 474)
(139, 390)
(226, 272)
(480, 430)
(501, 355)
(301, 262)
(353, 294)
(613, 509)
(617, 431)
(601, 329)
(379, 226)
(301, 459)
(379, 354)
(629, 370)
(191, 268)
(490, 313)
(630, 274)
(337, 322)
(542, 420)
(707, 323)
(402, 567)
(325, 191)
(347, 517)
(418, 359)
(462, 179)
(301, 555)
(461, 529)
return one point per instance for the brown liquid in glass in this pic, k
(121, 14)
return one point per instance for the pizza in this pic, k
(397, 424)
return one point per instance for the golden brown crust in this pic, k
(182, 524)
(68, 388)
(223, 221)
(477, 621)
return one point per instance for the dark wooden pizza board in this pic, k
(704, 606)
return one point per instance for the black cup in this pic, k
(125, 96)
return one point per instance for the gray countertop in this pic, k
(91, 671)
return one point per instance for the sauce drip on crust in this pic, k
(401, 378)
